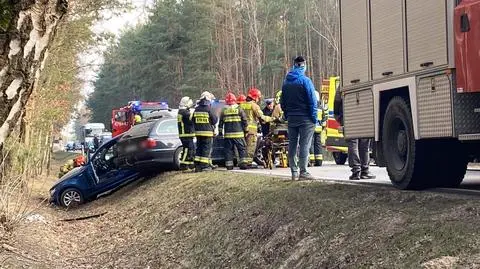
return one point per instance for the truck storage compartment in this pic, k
(467, 36)
(426, 34)
(358, 114)
(435, 111)
(354, 35)
(387, 38)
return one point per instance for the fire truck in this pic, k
(124, 118)
(409, 80)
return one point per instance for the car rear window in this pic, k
(142, 129)
(167, 127)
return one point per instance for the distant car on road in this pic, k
(100, 175)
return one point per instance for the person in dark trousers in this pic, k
(233, 125)
(299, 106)
(358, 155)
(316, 150)
(186, 133)
(204, 121)
(267, 111)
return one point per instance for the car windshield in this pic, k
(167, 127)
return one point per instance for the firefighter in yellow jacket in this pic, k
(233, 125)
(316, 150)
(186, 132)
(204, 121)
(254, 115)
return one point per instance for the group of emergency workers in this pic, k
(238, 123)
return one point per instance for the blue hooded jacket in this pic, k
(298, 95)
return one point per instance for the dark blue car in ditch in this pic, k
(100, 175)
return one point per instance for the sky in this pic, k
(93, 58)
(114, 24)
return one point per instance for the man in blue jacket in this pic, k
(299, 106)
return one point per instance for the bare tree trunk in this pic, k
(23, 49)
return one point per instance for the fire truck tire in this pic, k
(340, 157)
(407, 165)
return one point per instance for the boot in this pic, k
(318, 163)
(213, 166)
(367, 175)
(355, 176)
(259, 162)
(206, 169)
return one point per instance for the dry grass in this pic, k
(225, 220)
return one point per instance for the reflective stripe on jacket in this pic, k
(254, 114)
(185, 123)
(204, 121)
(233, 121)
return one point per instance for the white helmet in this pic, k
(317, 94)
(186, 102)
(207, 96)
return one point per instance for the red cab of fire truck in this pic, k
(124, 118)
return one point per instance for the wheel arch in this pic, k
(384, 92)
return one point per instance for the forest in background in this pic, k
(189, 46)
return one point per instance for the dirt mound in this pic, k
(225, 220)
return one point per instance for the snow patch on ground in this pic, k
(36, 218)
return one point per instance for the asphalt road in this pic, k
(340, 173)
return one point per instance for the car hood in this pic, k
(74, 172)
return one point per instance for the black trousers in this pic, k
(188, 151)
(316, 150)
(204, 149)
(230, 144)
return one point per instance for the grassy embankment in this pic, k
(232, 220)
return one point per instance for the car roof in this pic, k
(160, 114)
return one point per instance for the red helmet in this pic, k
(254, 93)
(241, 98)
(230, 99)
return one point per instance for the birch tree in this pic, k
(26, 32)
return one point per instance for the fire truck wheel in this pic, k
(340, 157)
(407, 165)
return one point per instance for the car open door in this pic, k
(108, 174)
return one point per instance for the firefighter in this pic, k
(233, 125)
(204, 121)
(186, 132)
(137, 118)
(316, 150)
(70, 164)
(254, 115)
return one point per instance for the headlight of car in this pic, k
(52, 191)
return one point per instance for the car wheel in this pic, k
(176, 158)
(71, 197)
